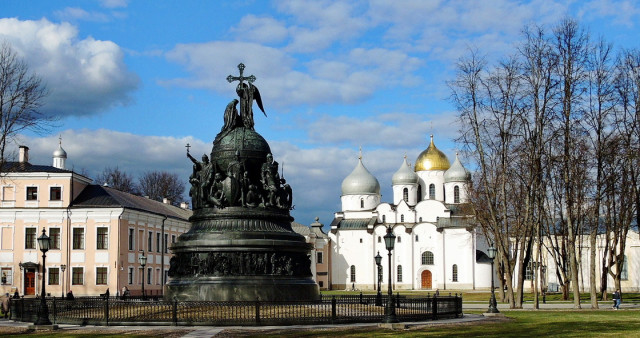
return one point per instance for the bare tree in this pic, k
(21, 96)
(117, 179)
(161, 184)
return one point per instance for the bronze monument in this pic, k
(240, 245)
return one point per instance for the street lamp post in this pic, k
(378, 259)
(390, 311)
(143, 262)
(43, 317)
(62, 268)
(493, 305)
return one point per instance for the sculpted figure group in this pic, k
(212, 186)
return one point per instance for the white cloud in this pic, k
(260, 29)
(114, 3)
(74, 13)
(83, 77)
(623, 12)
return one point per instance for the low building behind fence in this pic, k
(327, 310)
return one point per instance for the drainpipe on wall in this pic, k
(164, 244)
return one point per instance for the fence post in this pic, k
(434, 309)
(397, 300)
(55, 312)
(106, 309)
(175, 311)
(333, 309)
(257, 311)
(22, 310)
(361, 297)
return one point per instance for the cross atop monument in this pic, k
(241, 78)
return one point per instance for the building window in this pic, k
(166, 275)
(419, 193)
(379, 239)
(454, 273)
(319, 257)
(150, 240)
(54, 276)
(7, 273)
(529, 272)
(432, 191)
(77, 276)
(360, 240)
(32, 193)
(149, 275)
(131, 239)
(420, 220)
(405, 194)
(416, 238)
(427, 258)
(54, 234)
(399, 274)
(8, 193)
(30, 238)
(157, 242)
(55, 193)
(157, 276)
(101, 276)
(401, 218)
(103, 238)
(399, 239)
(361, 203)
(130, 276)
(78, 238)
(353, 274)
(166, 242)
(456, 194)
(384, 218)
(173, 239)
(624, 274)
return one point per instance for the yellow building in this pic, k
(97, 233)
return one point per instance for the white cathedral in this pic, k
(438, 244)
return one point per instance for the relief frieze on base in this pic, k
(195, 264)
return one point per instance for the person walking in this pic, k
(617, 299)
(6, 305)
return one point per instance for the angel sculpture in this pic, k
(247, 93)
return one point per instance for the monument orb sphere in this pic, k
(240, 245)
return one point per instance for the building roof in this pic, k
(354, 224)
(454, 222)
(360, 182)
(405, 175)
(300, 228)
(26, 167)
(432, 159)
(97, 196)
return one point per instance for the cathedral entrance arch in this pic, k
(426, 280)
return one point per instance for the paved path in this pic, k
(211, 331)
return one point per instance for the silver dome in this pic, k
(404, 175)
(360, 182)
(457, 173)
(60, 152)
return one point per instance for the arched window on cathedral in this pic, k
(456, 194)
(416, 238)
(353, 274)
(432, 191)
(384, 218)
(419, 193)
(362, 203)
(427, 258)
(379, 239)
(454, 273)
(399, 274)
(401, 218)
(399, 239)
(405, 194)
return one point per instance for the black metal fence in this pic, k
(327, 310)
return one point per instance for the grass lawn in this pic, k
(483, 296)
(624, 323)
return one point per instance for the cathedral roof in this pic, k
(432, 159)
(404, 175)
(60, 153)
(457, 173)
(360, 182)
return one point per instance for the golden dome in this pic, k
(432, 159)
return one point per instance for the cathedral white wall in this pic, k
(449, 188)
(352, 247)
(432, 176)
(459, 249)
(398, 194)
(355, 202)
(430, 210)
(429, 239)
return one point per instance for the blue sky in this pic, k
(134, 81)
